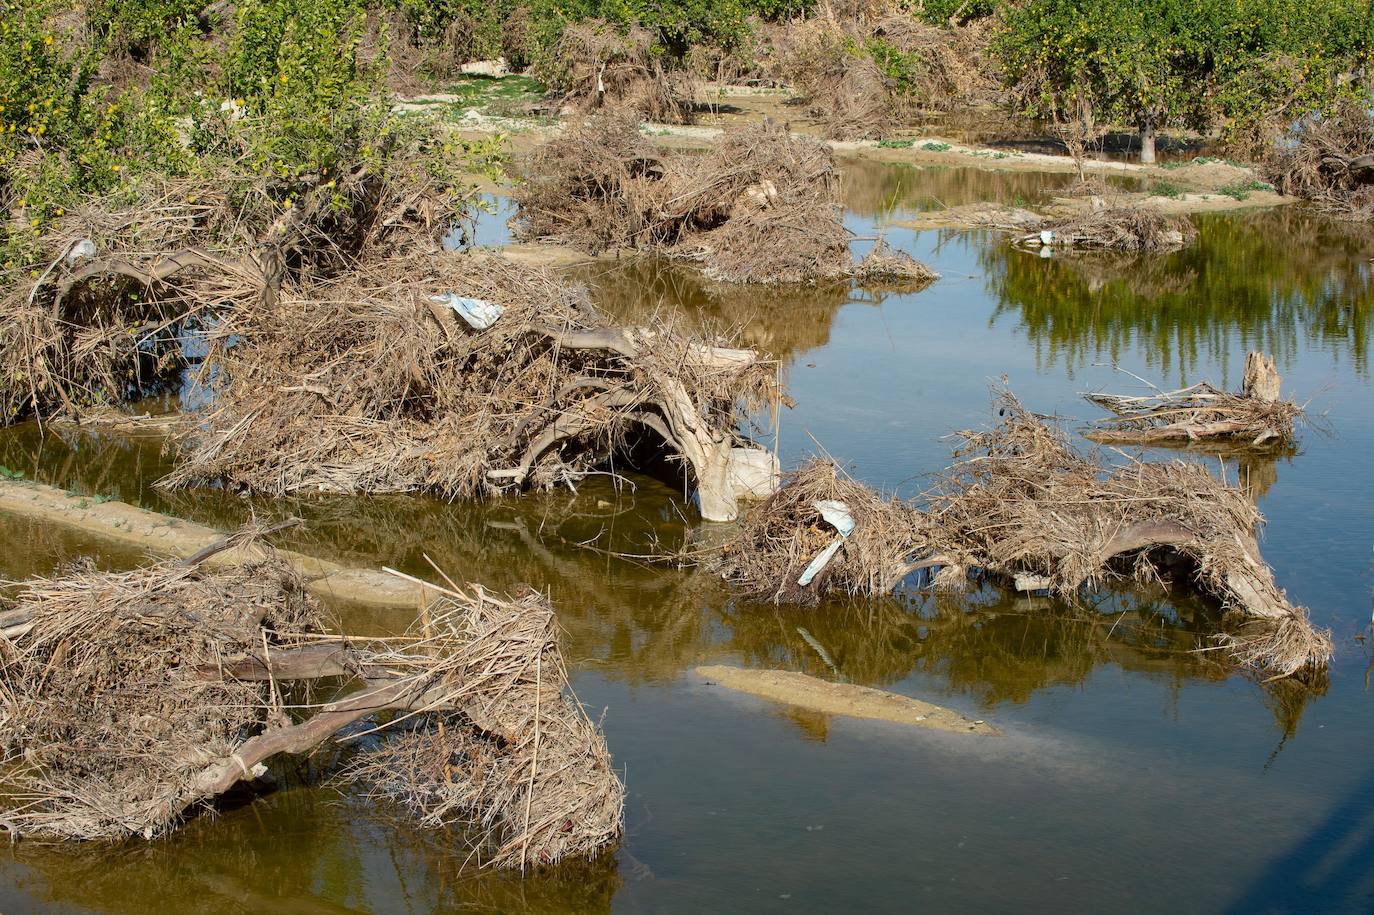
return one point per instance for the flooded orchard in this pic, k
(1135, 769)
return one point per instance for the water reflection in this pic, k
(1272, 280)
(299, 851)
(642, 620)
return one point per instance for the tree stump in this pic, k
(1261, 379)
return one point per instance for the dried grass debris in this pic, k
(133, 699)
(762, 206)
(1115, 228)
(1021, 506)
(782, 536)
(597, 65)
(1253, 417)
(1330, 163)
(370, 384)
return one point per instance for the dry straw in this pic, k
(761, 206)
(132, 700)
(1022, 506)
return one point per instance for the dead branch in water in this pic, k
(1020, 505)
(1255, 416)
(131, 700)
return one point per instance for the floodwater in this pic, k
(1135, 775)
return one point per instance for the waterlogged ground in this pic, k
(1135, 774)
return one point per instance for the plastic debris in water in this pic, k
(1046, 236)
(838, 516)
(478, 313)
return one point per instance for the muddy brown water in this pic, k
(1134, 775)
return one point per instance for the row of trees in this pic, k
(1246, 67)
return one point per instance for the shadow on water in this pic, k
(299, 851)
(1330, 864)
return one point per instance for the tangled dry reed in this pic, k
(534, 775)
(597, 65)
(333, 366)
(1120, 228)
(1332, 163)
(131, 700)
(762, 206)
(119, 278)
(1022, 506)
(368, 384)
(1254, 416)
(780, 537)
(833, 65)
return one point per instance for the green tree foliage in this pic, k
(1197, 64)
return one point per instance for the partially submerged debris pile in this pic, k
(598, 65)
(1254, 416)
(464, 374)
(120, 281)
(130, 700)
(762, 206)
(348, 353)
(1122, 228)
(1331, 163)
(1022, 506)
(847, 537)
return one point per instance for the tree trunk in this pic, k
(1147, 142)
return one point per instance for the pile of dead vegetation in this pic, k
(346, 352)
(1021, 506)
(100, 314)
(597, 65)
(1331, 163)
(1113, 228)
(1253, 416)
(848, 538)
(863, 77)
(762, 206)
(467, 375)
(132, 700)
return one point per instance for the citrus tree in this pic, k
(1197, 64)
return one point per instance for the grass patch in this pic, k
(933, 146)
(1166, 189)
(896, 144)
(1240, 190)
